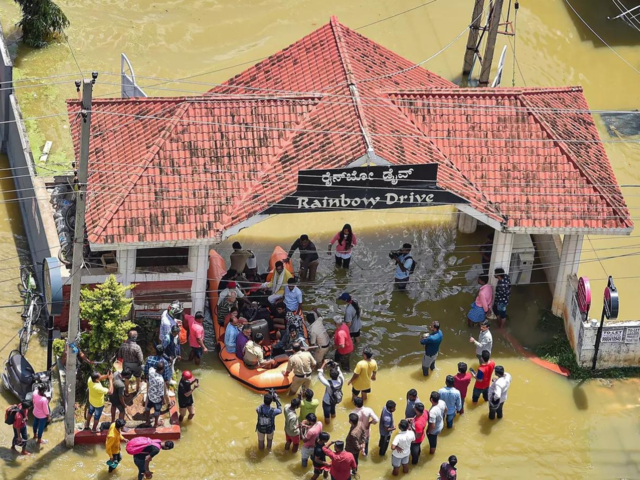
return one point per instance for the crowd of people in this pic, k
(303, 342)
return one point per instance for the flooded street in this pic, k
(553, 427)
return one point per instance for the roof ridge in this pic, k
(351, 81)
(484, 91)
(451, 165)
(570, 156)
(153, 150)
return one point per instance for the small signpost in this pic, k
(584, 297)
(610, 310)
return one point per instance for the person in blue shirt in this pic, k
(431, 342)
(404, 262)
(451, 396)
(292, 296)
(231, 334)
(386, 426)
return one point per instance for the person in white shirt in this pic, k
(318, 336)
(231, 287)
(401, 448)
(485, 340)
(498, 392)
(437, 413)
(367, 417)
(332, 385)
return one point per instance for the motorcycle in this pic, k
(20, 378)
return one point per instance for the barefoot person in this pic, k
(186, 387)
(484, 301)
(503, 292)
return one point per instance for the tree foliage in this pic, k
(105, 308)
(41, 20)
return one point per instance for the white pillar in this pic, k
(466, 223)
(126, 267)
(198, 263)
(569, 263)
(500, 254)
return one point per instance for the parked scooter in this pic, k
(20, 378)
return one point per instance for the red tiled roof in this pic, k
(180, 170)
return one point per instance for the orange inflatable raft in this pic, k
(257, 379)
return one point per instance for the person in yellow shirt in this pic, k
(96, 398)
(363, 375)
(114, 438)
(277, 283)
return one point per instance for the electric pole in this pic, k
(494, 23)
(472, 41)
(78, 258)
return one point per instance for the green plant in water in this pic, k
(41, 20)
(558, 350)
(106, 308)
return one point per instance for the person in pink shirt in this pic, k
(461, 382)
(484, 301)
(41, 413)
(346, 241)
(196, 336)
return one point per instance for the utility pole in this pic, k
(472, 41)
(487, 59)
(78, 258)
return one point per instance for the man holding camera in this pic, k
(404, 265)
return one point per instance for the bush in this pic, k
(41, 20)
(105, 308)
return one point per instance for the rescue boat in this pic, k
(257, 379)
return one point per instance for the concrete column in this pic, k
(501, 254)
(466, 223)
(198, 263)
(569, 263)
(126, 266)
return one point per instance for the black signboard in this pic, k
(371, 187)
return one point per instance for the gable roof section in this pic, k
(177, 171)
(514, 153)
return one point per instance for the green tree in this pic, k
(105, 308)
(41, 20)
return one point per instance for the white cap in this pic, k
(338, 318)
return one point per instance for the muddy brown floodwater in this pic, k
(553, 427)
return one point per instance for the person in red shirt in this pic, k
(343, 343)
(419, 426)
(483, 377)
(20, 428)
(196, 336)
(342, 463)
(461, 381)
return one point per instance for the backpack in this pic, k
(138, 444)
(413, 264)
(265, 421)
(335, 395)
(10, 414)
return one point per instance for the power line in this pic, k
(396, 15)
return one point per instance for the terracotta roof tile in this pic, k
(187, 169)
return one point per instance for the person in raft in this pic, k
(277, 283)
(346, 240)
(483, 303)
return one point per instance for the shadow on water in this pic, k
(595, 13)
(580, 397)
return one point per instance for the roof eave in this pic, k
(570, 230)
